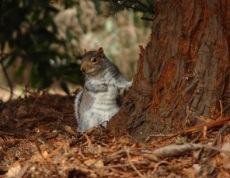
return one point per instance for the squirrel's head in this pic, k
(93, 62)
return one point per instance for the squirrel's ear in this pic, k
(100, 52)
(85, 50)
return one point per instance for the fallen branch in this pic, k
(177, 150)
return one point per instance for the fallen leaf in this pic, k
(95, 163)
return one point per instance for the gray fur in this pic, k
(98, 101)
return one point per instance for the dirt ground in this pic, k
(38, 138)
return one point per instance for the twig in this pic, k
(55, 151)
(115, 155)
(197, 137)
(6, 75)
(120, 165)
(132, 165)
(158, 164)
(40, 151)
(107, 160)
(87, 139)
(217, 122)
(225, 126)
(121, 173)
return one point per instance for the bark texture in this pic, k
(183, 72)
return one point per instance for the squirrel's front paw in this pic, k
(129, 83)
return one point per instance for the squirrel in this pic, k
(99, 99)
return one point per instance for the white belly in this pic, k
(105, 103)
(104, 107)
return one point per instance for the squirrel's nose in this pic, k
(82, 69)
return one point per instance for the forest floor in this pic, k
(38, 138)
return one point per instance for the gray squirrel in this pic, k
(98, 101)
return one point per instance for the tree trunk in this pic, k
(183, 72)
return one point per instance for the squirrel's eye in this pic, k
(93, 59)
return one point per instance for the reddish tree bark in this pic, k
(183, 72)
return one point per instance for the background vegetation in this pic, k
(42, 42)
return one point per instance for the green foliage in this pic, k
(27, 28)
(144, 6)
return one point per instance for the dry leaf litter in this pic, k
(38, 138)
